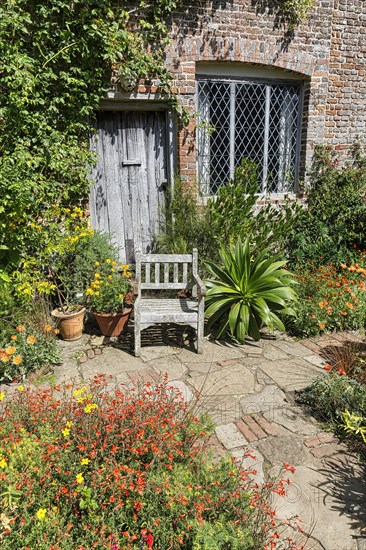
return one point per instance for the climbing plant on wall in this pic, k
(56, 60)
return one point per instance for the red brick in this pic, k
(266, 426)
(246, 431)
(254, 427)
(320, 439)
(228, 362)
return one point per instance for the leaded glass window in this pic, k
(253, 119)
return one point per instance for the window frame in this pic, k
(267, 82)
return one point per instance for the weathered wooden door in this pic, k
(130, 178)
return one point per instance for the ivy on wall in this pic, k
(56, 60)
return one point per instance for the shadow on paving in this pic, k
(345, 490)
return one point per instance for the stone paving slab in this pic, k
(233, 380)
(213, 353)
(230, 436)
(312, 495)
(290, 375)
(291, 418)
(171, 365)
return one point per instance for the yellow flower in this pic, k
(47, 328)
(114, 264)
(17, 360)
(97, 275)
(97, 263)
(10, 350)
(79, 478)
(96, 292)
(66, 432)
(31, 340)
(4, 357)
(20, 388)
(3, 463)
(81, 399)
(110, 277)
(108, 261)
(56, 331)
(90, 407)
(14, 337)
(2, 395)
(69, 424)
(79, 391)
(41, 513)
(85, 461)
(121, 296)
(89, 292)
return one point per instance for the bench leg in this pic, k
(200, 338)
(137, 341)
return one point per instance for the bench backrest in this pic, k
(165, 271)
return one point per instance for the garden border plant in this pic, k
(123, 470)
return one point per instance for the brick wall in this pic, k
(328, 50)
(346, 101)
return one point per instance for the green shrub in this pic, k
(231, 214)
(331, 228)
(185, 226)
(234, 213)
(88, 467)
(75, 267)
(331, 394)
(247, 293)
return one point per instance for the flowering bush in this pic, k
(331, 298)
(27, 351)
(87, 467)
(109, 286)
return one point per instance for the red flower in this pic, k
(149, 539)
(341, 371)
(327, 367)
(288, 467)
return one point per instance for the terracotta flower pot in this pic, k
(112, 324)
(69, 322)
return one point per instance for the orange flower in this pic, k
(17, 360)
(321, 326)
(328, 367)
(47, 328)
(14, 337)
(31, 340)
(20, 328)
(4, 357)
(350, 306)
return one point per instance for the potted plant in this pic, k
(106, 296)
(73, 266)
(69, 316)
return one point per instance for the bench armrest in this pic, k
(201, 289)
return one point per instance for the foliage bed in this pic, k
(331, 297)
(26, 350)
(88, 467)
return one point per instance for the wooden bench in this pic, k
(179, 272)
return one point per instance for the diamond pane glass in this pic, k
(255, 120)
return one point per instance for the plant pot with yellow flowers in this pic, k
(105, 296)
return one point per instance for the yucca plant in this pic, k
(248, 292)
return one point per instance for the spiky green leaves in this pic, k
(248, 292)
